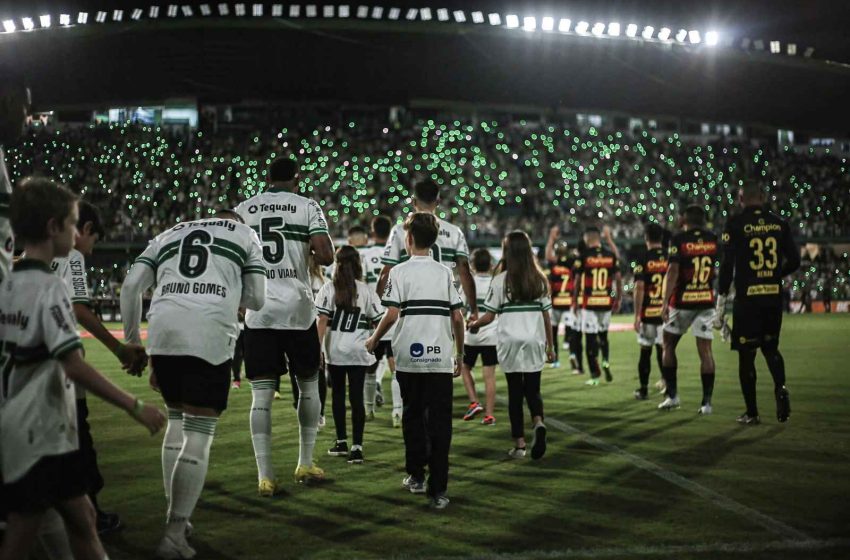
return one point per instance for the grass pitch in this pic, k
(619, 480)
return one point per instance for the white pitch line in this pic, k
(724, 502)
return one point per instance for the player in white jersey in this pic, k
(14, 106)
(482, 343)
(422, 297)
(519, 294)
(291, 229)
(40, 359)
(202, 272)
(348, 309)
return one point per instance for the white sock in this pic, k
(308, 418)
(53, 538)
(356, 447)
(397, 403)
(383, 366)
(172, 443)
(189, 472)
(262, 391)
(370, 388)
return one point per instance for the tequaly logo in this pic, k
(600, 262)
(701, 247)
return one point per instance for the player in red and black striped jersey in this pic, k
(561, 286)
(689, 302)
(758, 251)
(650, 275)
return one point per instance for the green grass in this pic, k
(578, 498)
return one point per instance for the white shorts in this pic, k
(649, 335)
(698, 320)
(565, 315)
(594, 322)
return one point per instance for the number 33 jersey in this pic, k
(284, 221)
(695, 251)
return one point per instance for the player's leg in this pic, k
(772, 325)
(670, 371)
(238, 357)
(577, 349)
(747, 377)
(747, 335)
(303, 351)
(337, 375)
(53, 537)
(489, 359)
(370, 387)
(398, 403)
(80, 522)
(644, 364)
(106, 522)
(531, 391)
(555, 316)
(659, 356)
(414, 430)
(20, 534)
(706, 373)
(438, 404)
(356, 378)
(166, 370)
(516, 394)
(470, 356)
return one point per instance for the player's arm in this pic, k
(727, 261)
(639, 292)
(382, 280)
(550, 344)
(131, 355)
(618, 282)
(138, 279)
(550, 244)
(390, 318)
(322, 328)
(669, 289)
(458, 328)
(790, 252)
(578, 282)
(467, 282)
(609, 239)
(322, 248)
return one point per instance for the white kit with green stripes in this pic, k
(486, 336)
(72, 271)
(450, 246)
(348, 330)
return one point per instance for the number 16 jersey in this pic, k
(695, 251)
(284, 221)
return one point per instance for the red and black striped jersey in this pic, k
(595, 268)
(651, 269)
(562, 282)
(696, 253)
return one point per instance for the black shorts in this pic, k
(193, 381)
(384, 349)
(755, 326)
(51, 481)
(267, 351)
(487, 353)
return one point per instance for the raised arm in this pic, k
(554, 233)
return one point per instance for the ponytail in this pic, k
(348, 270)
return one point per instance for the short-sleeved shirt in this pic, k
(285, 222)
(561, 282)
(521, 333)
(651, 269)
(349, 329)
(72, 271)
(486, 336)
(695, 251)
(7, 240)
(595, 270)
(424, 292)
(450, 247)
(37, 400)
(199, 267)
(371, 257)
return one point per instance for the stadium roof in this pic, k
(385, 60)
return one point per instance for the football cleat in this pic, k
(396, 420)
(267, 488)
(593, 382)
(412, 485)
(439, 501)
(306, 475)
(321, 422)
(705, 409)
(171, 549)
(236, 385)
(748, 420)
(277, 395)
(355, 457)
(488, 420)
(107, 522)
(538, 445)
(565, 346)
(661, 386)
(370, 415)
(340, 449)
(555, 364)
(472, 411)
(379, 396)
(517, 453)
(641, 394)
(606, 367)
(574, 364)
(669, 403)
(783, 404)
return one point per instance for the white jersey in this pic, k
(425, 294)
(348, 331)
(7, 241)
(372, 258)
(521, 333)
(316, 284)
(72, 271)
(202, 270)
(284, 221)
(486, 336)
(450, 247)
(38, 414)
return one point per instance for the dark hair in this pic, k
(426, 191)
(357, 230)
(381, 226)
(283, 169)
(423, 228)
(654, 233)
(694, 215)
(524, 280)
(482, 260)
(230, 214)
(90, 214)
(34, 203)
(592, 230)
(349, 269)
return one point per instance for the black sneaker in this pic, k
(538, 446)
(379, 396)
(748, 420)
(340, 449)
(607, 369)
(355, 457)
(783, 404)
(641, 394)
(107, 522)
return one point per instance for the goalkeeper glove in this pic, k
(720, 313)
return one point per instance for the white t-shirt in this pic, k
(348, 331)
(486, 336)
(203, 270)
(425, 294)
(38, 414)
(521, 333)
(7, 240)
(284, 222)
(72, 271)
(450, 246)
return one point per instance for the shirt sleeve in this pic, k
(79, 279)
(392, 297)
(58, 323)
(316, 219)
(325, 300)
(461, 248)
(727, 263)
(495, 295)
(455, 301)
(138, 279)
(392, 251)
(639, 269)
(673, 255)
(253, 275)
(545, 302)
(374, 311)
(254, 263)
(148, 256)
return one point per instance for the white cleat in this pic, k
(170, 549)
(705, 409)
(669, 403)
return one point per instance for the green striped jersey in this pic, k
(449, 249)
(486, 336)
(285, 222)
(348, 330)
(7, 241)
(72, 271)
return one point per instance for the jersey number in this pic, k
(345, 321)
(702, 270)
(270, 233)
(194, 255)
(759, 247)
(565, 280)
(657, 286)
(600, 279)
(6, 363)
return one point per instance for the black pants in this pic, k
(523, 386)
(427, 426)
(94, 479)
(356, 379)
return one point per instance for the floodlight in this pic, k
(792, 49)
(775, 47)
(547, 23)
(564, 25)
(295, 11)
(172, 10)
(44, 20)
(82, 18)
(328, 11)
(239, 9)
(395, 13)
(477, 17)
(411, 14)
(460, 17)
(614, 29)
(205, 9)
(529, 23)
(582, 27)
(100, 17)
(694, 37)
(681, 35)
(598, 28)
(809, 52)
(758, 44)
(257, 10)
(711, 38)
(647, 32)
(64, 19)
(443, 14)
(362, 12)
(512, 21)
(344, 11)
(425, 14)
(494, 19)
(223, 9)
(664, 34)
(631, 30)
(377, 12)
(310, 10)
(187, 10)
(28, 24)
(9, 26)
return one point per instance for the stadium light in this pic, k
(809, 52)
(614, 29)
(240, 9)
(694, 36)
(512, 21)
(100, 17)
(598, 28)
(775, 47)
(477, 17)
(425, 14)
(9, 26)
(792, 49)
(581, 27)
(28, 24)
(82, 18)
(547, 23)
(494, 19)
(44, 20)
(362, 12)
(295, 11)
(631, 30)
(344, 11)
(411, 14)
(460, 17)
(205, 9)
(223, 9)
(681, 35)
(257, 10)
(187, 10)
(377, 12)
(664, 34)
(529, 23)
(395, 13)
(442, 14)
(564, 25)
(758, 44)
(310, 10)
(64, 19)
(172, 11)
(277, 10)
(711, 38)
(328, 11)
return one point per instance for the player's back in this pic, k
(695, 251)
(598, 267)
(561, 282)
(284, 222)
(652, 269)
(372, 266)
(450, 246)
